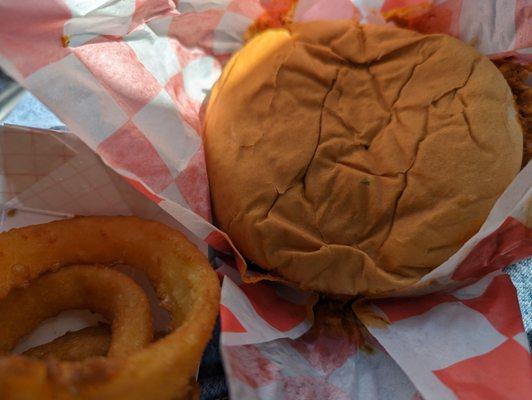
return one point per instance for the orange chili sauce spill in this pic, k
(277, 13)
(424, 18)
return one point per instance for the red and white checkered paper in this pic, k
(129, 77)
(49, 175)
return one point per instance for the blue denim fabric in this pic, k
(211, 374)
(521, 274)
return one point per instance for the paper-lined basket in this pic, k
(129, 79)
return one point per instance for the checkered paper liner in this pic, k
(27, 158)
(129, 78)
(73, 181)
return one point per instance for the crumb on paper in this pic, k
(367, 348)
(65, 40)
(474, 41)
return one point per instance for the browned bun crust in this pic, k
(354, 159)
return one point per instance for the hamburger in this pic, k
(352, 160)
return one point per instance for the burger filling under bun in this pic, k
(353, 160)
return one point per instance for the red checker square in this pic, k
(189, 108)
(118, 69)
(240, 263)
(523, 16)
(325, 352)
(500, 306)
(145, 10)
(503, 373)
(128, 149)
(332, 9)
(251, 9)
(31, 32)
(218, 241)
(186, 55)
(249, 365)
(398, 309)
(229, 321)
(196, 29)
(511, 242)
(441, 18)
(280, 313)
(142, 189)
(311, 388)
(194, 185)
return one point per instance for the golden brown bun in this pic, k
(354, 160)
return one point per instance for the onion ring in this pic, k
(181, 275)
(75, 346)
(114, 295)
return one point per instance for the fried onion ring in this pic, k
(182, 277)
(75, 346)
(113, 294)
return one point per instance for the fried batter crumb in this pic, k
(516, 75)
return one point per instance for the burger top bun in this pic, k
(351, 159)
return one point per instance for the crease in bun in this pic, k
(351, 159)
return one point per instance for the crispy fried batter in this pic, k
(516, 75)
(336, 318)
(184, 281)
(100, 289)
(75, 346)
